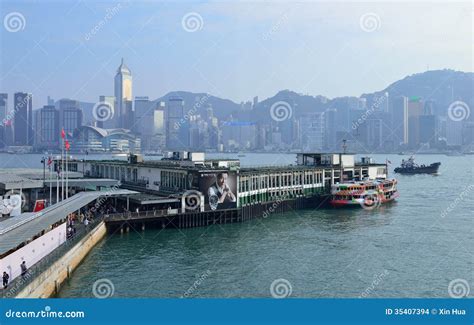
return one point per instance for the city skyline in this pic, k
(172, 50)
(104, 96)
(389, 120)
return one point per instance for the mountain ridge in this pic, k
(441, 86)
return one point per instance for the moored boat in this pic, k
(366, 194)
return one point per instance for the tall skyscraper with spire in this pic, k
(123, 95)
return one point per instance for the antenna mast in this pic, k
(344, 146)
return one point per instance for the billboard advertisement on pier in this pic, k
(219, 189)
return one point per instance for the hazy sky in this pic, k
(230, 49)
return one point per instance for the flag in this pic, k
(67, 145)
(39, 205)
(388, 161)
(63, 134)
(50, 161)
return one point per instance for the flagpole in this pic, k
(57, 183)
(67, 173)
(63, 136)
(62, 171)
(50, 183)
(21, 195)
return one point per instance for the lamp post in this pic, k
(43, 161)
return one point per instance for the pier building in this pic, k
(184, 173)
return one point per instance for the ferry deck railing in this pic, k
(140, 214)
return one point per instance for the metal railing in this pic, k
(22, 281)
(140, 214)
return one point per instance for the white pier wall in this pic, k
(33, 252)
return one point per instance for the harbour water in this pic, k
(412, 248)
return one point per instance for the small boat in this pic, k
(368, 194)
(410, 167)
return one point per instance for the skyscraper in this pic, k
(3, 119)
(70, 115)
(330, 130)
(149, 123)
(23, 119)
(398, 111)
(158, 139)
(47, 128)
(159, 119)
(129, 117)
(312, 131)
(454, 132)
(144, 110)
(3, 107)
(112, 121)
(415, 110)
(428, 129)
(176, 126)
(123, 93)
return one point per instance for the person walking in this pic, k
(24, 269)
(86, 222)
(5, 278)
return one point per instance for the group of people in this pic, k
(81, 218)
(6, 276)
(106, 208)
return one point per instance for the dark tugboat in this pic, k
(410, 167)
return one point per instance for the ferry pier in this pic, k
(182, 190)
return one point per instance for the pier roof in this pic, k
(17, 230)
(210, 164)
(33, 178)
(168, 164)
(85, 182)
(144, 198)
(9, 181)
